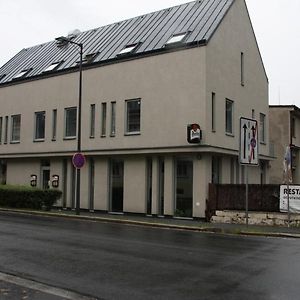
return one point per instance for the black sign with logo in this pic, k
(194, 133)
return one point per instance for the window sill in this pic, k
(132, 133)
(38, 140)
(103, 135)
(229, 134)
(66, 138)
(15, 142)
(92, 137)
(263, 143)
(53, 140)
(112, 135)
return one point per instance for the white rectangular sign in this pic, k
(248, 142)
(294, 198)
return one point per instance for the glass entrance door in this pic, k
(45, 178)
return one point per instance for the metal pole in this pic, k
(288, 200)
(79, 131)
(247, 196)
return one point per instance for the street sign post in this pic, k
(248, 149)
(248, 142)
(78, 160)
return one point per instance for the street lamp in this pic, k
(63, 39)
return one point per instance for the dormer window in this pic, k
(53, 66)
(176, 38)
(22, 74)
(128, 49)
(89, 58)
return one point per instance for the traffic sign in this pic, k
(78, 160)
(248, 142)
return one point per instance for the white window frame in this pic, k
(36, 114)
(228, 101)
(128, 131)
(15, 136)
(68, 109)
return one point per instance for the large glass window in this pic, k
(15, 128)
(133, 120)
(229, 116)
(262, 121)
(40, 125)
(70, 122)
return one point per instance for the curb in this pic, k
(151, 224)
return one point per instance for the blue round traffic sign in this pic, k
(78, 160)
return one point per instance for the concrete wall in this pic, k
(160, 81)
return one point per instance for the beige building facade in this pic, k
(284, 132)
(135, 113)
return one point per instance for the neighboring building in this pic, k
(144, 80)
(284, 132)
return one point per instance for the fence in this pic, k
(261, 197)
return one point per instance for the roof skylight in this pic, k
(21, 74)
(177, 38)
(127, 49)
(52, 67)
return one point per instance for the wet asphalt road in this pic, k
(115, 261)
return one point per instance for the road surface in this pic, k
(117, 261)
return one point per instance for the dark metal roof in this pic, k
(199, 19)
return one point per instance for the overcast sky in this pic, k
(25, 23)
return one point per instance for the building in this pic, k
(284, 132)
(144, 81)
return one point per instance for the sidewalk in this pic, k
(170, 223)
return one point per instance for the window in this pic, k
(1, 121)
(176, 38)
(70, 122)
(229, 117)
(133, 119)
(103, 120)
(53, 66)
(216, 162)
(213, 112)
(54, 122)
(128, 49)
(92, 119)
(113, 119)
(40, 125)
(6, 130)
(253, 114)
(242, 69)
(262, 132)
(89, 58)
(22, 74)
(15, 128)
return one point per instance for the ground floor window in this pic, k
(184, 188)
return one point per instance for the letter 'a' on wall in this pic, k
(194, 133)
